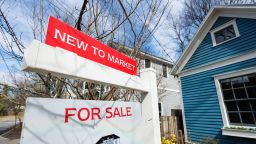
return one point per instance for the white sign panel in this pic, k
(63, 121)
(42, 58)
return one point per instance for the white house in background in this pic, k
(168, 87)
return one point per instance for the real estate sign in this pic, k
(71, 53)
(62, 121)
(64, 36)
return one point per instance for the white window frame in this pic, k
(144, 64)
(225, 119)
(232, 22)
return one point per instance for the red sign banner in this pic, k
(66, 37)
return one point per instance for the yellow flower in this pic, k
(165, 141)
(173, 138)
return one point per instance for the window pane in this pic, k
(237, 82)
(240, 93)
(228, 94)
(225, 34)
(147, 63)
(250, 80)
(244, 105)
(253, 103)
(229, 32)
(247, 117)
(234, 118)
(225, 84)
(160, 109)
(164, 70)
(251, 92)
(231, 106)
(219, 38)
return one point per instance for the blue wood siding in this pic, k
(201, 105)
(220, 21)
(206, 53)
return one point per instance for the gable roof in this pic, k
(240, 11)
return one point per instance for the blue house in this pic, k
(217, 75)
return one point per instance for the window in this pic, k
(224, 33)
(176, 112)
(160, 109)
(164, 71)
(239, 96)
(147, 63)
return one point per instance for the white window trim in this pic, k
(232, 22)
(144, 64)
(226, 123)
(183, 113)
(239, 133)
(167, 70)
